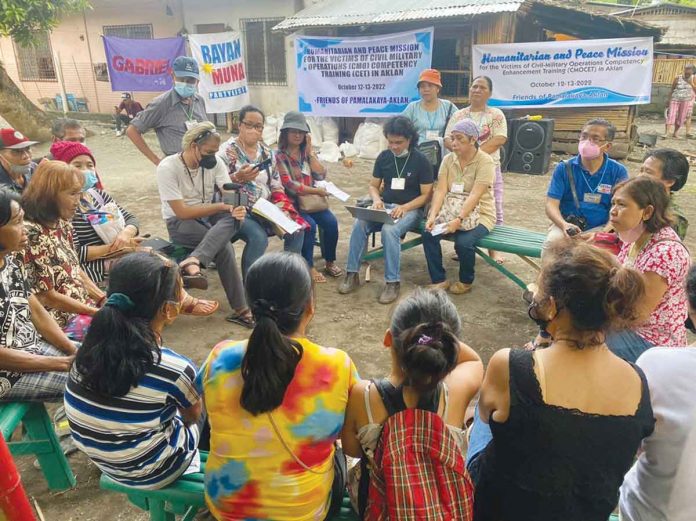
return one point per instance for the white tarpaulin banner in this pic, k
(220, 59)
(363, 77)
(575, 73)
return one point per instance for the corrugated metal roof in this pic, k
(355, 12)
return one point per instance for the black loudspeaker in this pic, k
(530, 146)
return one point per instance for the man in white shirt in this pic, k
(661, 484)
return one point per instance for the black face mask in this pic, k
(689, 324)
(532, 311)
(208, 161)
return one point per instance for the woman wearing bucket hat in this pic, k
(299, 168)
(462, 206)
(430, 114)
(492, 128)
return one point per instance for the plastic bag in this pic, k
(372, 141)
(348, 149)
(315, 129)
(329, 152)
(329, 130)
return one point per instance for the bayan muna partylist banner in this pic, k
(223, 82)
(574, 73)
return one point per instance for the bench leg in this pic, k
(53, 463)
(158, 511)
(502, 269)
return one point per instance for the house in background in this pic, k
(459, 24)
(676, 49)
(75, 51)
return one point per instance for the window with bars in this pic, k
(133, 31)
(265, 52)
(35, 61)
(451, 58)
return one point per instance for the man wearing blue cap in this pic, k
(172, 113)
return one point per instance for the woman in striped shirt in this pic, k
(131, 403)
(94, 253)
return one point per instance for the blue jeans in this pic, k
(464, 243)
(391, 241)
(479, 438)
(627, 344)
(325, 220)
(256, 239)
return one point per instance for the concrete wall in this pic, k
(168, 17)
(271, 99)
(73, 39)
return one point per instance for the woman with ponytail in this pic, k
(276, 405)
(557, 429)
(431, 369)
(131, 403)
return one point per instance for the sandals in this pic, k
(196, 280)
(198, 307)
(317, 277)
(243, 318)
(333, 271)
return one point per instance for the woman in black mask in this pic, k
(558, 428)
(187, 183)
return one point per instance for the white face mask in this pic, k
(632, 235)
(403, 153)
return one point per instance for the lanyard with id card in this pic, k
(399, 183)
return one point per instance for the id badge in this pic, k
(592, 198)
(457, 188)
(604, 188)
(190, 124)
(398, 184)
(431, 135)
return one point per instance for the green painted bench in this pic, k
(185, 497)
(525, 244)
(39, 439)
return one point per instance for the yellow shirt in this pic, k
(249, 474)
(481, 169)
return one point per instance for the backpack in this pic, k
(418, 470)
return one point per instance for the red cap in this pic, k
(431, 76)
(66, 151)
(14, 139)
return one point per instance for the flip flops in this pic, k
(196, 307)
(244, 319)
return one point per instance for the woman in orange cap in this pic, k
(430, 114)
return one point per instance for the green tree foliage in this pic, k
(22, 19)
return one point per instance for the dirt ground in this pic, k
(493, 314)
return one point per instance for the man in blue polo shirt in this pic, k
(594, 177)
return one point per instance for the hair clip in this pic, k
(424, 340)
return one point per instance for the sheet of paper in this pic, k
(195, 465)
(333, 190)
(267, 209)
(439, 229)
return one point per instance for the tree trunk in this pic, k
(21, 113)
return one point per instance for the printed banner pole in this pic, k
(220, 58)
(575, 73)
(357, 77)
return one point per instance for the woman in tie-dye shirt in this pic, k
(276, 404)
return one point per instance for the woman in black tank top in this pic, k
(557, 429)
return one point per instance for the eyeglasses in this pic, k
(584, 136)
(205, 135)
(258, 126)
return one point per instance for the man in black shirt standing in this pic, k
(402, 182)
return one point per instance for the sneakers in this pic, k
(459, 288)
(349, 284)
(390, 293)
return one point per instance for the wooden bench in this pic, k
(39, 439)
(184, 497)
(525, 244)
